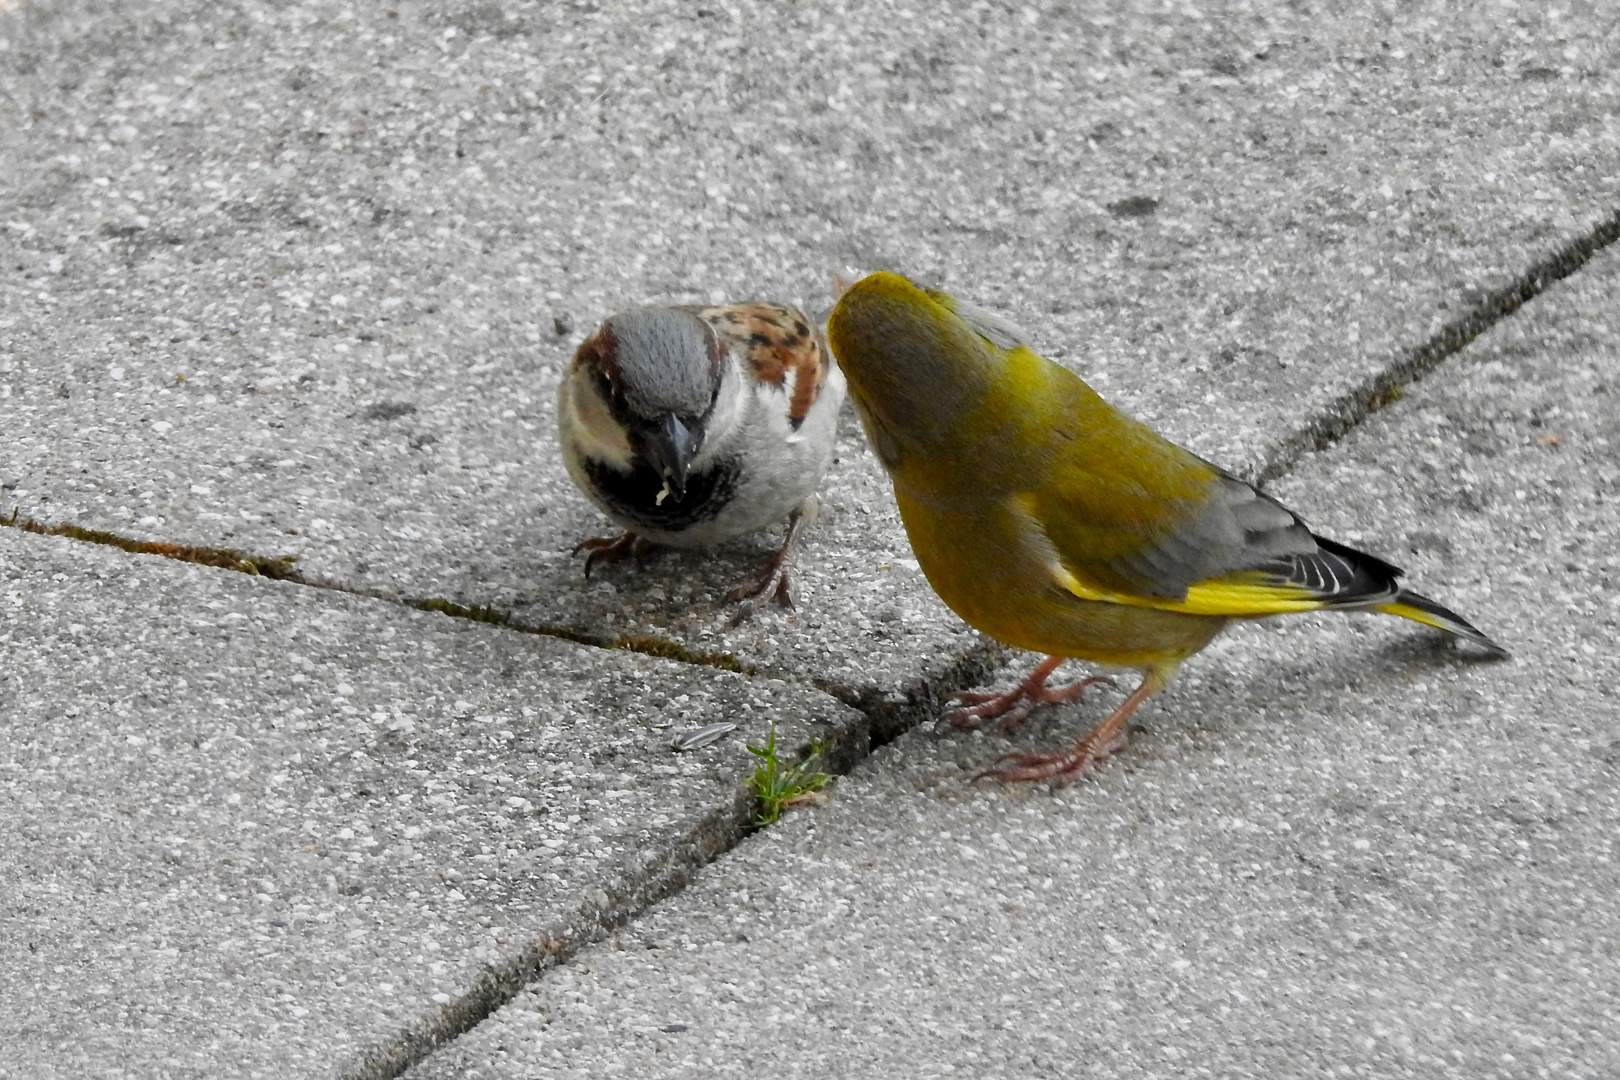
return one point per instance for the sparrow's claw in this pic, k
(772, 585)
(1011, 708)
(771, 582)
(605, 548)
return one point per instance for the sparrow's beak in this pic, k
(671, 447)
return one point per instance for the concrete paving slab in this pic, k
(258, 829)
(299, 278)
(1335, 847)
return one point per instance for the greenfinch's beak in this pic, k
(670, 447)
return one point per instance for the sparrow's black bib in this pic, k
(634, 494)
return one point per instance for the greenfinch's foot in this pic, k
(772, 582)
(1011, 708)
(1067, 766)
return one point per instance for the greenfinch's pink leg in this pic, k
(1010, 709)
(1066, 766)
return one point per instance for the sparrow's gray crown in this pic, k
(667, 361)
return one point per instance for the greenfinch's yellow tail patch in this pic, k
(1409, 605)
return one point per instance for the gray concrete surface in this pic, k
(299, 279)
(1336, 847)
(257, 829)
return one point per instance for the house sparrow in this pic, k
(691, 425)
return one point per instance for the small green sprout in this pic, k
(780, 786)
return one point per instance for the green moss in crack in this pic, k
(279, 568)
(1387, 395)
(461, 611)
(648, 645)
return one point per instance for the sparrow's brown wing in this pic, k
(779, 344)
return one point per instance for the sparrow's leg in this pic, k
(1066, 766)
(1010, 709)
(772, 582)
(606, 548)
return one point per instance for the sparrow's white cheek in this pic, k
(588, 425)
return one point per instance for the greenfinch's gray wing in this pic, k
(1236, 551)
(997, 330)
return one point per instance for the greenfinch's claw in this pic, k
(1013, 707)
(1064, 767)
(1067, 766)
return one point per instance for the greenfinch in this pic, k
(1052, 522)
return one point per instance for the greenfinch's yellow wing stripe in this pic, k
(1221, 596)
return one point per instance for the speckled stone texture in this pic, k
(257, 829)
(1336, 847)
(300, 278)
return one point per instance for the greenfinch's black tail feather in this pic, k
(1409, 605)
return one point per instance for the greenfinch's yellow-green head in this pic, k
(914, 367)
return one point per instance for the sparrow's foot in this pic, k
(606, 549)
(1067, 766)
(1010, 709)
(771, 583)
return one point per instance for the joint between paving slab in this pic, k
(1345, 413)
(616, 904)
(280, 568)
(889, 712)
(652, 873)
(893, 712)
(654, 877)
(223, 558)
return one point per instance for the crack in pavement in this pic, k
(280, 568)
(642, 881)
(889, 711)
(1342, 415)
